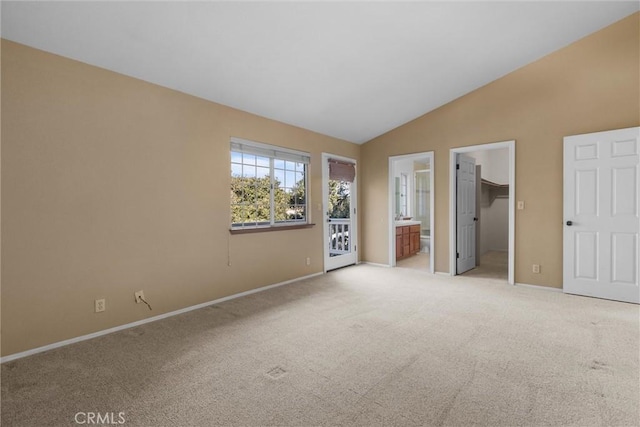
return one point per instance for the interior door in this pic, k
(340, 212)
(466, 213)
(601, 222)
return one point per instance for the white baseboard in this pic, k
(148, 320)
(375, 264)
(544, 288)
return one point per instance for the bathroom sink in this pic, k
(407, 222)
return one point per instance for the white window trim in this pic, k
(273, 152)
(268, 150)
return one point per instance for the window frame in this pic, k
(273, 154)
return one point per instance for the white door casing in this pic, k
(393, 160)
(466, 213)
(601, 219)
(453, 160)
(340, 234)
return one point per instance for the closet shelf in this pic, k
(493, 184)
(492, 191)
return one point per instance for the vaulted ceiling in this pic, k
(352, 70)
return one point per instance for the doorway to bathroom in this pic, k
(411, 211)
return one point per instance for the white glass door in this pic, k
(340, 212)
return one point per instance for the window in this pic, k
(404, 194)
(268, 185)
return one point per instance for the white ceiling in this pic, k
(352, 70)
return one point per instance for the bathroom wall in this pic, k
(418, 166)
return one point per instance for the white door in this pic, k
(340, 227)
(601, 221)
(466, 213)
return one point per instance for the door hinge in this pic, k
(354, 211)
(457, 255)
(355, 248)
(457, 165)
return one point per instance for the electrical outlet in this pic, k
(520, 205)
(139, 296)
(100, 305)
(536, 268)
(308, 261)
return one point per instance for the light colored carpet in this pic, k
(363, 346)
(419, 261)
(493, 265)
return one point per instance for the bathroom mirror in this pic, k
(397, 197)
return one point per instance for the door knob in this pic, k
(475, 219)
(569, 223)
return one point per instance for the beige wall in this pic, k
(111, 185)
(591, 85)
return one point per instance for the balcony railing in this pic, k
(339, 243)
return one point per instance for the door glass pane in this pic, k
(339, 213)
(339, 199)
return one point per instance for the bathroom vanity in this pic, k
(407, 238)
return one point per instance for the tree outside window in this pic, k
(266, 191)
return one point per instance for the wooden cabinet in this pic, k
(414, 239)
(398, 242)
(407, 240)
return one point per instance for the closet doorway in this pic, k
(482, 218)
(411, 211)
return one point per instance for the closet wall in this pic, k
(494, 203)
